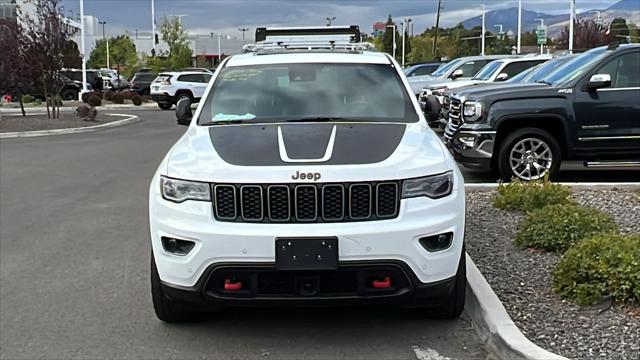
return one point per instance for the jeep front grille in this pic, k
(455, 118)
(306, 203)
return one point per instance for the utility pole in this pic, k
(435, 39)
(104, 37)
(519, 25)
(243, 31)
(153, 25)
(572, 14)
(330, 20)
(84, 57)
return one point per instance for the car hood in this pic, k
(474, 92)
(457, 84)
(272, 153)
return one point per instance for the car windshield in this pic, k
(442, 70)
(575, 67)
(543, 70)
(520, 77)
(313, 92)
(488, 70)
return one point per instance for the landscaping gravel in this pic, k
(11, 123)
(522, 280)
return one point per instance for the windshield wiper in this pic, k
(224, 122)
(543, 82)
(321, 119)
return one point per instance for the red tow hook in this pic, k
(232, 285)
(382, 284)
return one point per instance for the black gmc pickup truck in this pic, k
(588, 110)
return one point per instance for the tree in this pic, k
(17, 71)
(176, 38)
(387, 37)
(619, 28)
(46, 36)
(71, 55)
(586, 35)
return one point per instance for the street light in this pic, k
(84, 57)
(542, 27)
(394, 38)
(572, 14)
(153, 26)
(107, 41)
(519, 25)
(330, 20)
(243, 31)
(483, 27)
(499, 31)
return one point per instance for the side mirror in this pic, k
(598, 81)
(502, 77)
(457, 74)
(183, 111)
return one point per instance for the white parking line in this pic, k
(428, 354)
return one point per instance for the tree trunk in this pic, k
(21, 103)
(46, 98)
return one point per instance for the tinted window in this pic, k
(576, 67)
(280, 92)
(624, 71)
(425, 70)
(516, 68)
(144, 77)
(206, 78)
(442, 70)
(189, 78)
(486, 72)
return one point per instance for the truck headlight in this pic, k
(471, 111)
(434, 187)
(181, 190)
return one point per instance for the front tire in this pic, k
(166, 309)
(529, 154)
(454, 305)
(70, 95)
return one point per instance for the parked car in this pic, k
(141, 82)
(458, 69)
(113, 80)
(586, 110)
(274, 194)
(422, 69)
(430, 98)
(93, 77)
(204, 70)
(169, 87)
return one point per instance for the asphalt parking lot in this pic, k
(74, 269)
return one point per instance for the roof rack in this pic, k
(327, 38)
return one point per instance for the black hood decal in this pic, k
(306, 144)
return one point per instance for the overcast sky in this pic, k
(226, 16)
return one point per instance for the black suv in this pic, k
(141, 82)
(587, 110)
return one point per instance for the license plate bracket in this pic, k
(307, 253)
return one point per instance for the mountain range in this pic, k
(508, 18)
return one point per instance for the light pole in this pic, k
(499, 31)
(106, 41)
(153, 25)
(519, 25)
(572, 14)
(542, 27)
(483, 28)
(394, 38)
(330, 20)
(243, 31)
(219, 49)
(84, 57)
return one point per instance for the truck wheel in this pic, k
(70, 95)
(529, 154)
(166, 309)
(184, 96)
(432, 110)
(452, 308)
(164, 106)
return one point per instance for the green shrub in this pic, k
(27, 99)
(528, 196)
(94, 100)
(117, 98)
(605, 264)
(557, 227)
(108, 95)
(136, 100)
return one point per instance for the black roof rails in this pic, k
(614, 45)
(354, 31)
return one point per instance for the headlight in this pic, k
(435, 186)
(180, 190)
(471, 111)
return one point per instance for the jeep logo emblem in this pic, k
(306, 176)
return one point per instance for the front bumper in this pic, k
(472, 149)
(383, 240)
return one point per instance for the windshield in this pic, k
(575, 67)
(488, 70)
(520, 77)
(314, 92)
(442, 70)
(543, 70)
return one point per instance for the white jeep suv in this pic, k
(308, 176)
(170, 87)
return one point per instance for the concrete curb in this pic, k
(145, 106)
(573, 185)
(130, 119)
(493, 324)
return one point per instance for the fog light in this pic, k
(437, 242)
(468, 140)
(176, 246)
